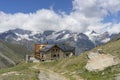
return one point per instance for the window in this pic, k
(55, 49)
(54, 55)
(58, 55)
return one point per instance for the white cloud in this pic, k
(114, 28)
(95, 10)
(86, 14)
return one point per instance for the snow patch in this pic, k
(20, 37)
(66, 36)
(105, 40)
(53, 36)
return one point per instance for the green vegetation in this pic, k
(11, 54)
(20, 50)
(22, 71)
(72, 68)
(76, 65)
(111, 48)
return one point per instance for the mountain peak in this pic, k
(93, 32)
(21, 31)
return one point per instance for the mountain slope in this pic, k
(82, 41)
(11, 54)
(29, 38)
(74, 67)
(100, 38)
(116, 37)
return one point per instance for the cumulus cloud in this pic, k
(86, 14)
(114, 28)
(95, 10)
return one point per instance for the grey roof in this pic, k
(64, 48)
(48, 47)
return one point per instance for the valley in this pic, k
(72, 68)
(82, 41)
(60, 40)
(12, 54)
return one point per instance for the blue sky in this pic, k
(27, 6)
(76, 15)
(115, 18)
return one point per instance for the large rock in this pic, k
(98, 62)
(117, 77)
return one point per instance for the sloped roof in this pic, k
(47, 47)
(64, 48)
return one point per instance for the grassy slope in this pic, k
(74, 68)
(14, 52)
(24, 71)
(20, 50)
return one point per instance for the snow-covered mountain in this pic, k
(81, 41)
(100, 38)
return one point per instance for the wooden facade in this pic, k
(51, 52)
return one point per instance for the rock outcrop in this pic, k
(98, 62)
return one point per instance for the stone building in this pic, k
(53, 51)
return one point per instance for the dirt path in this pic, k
(49, 75)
